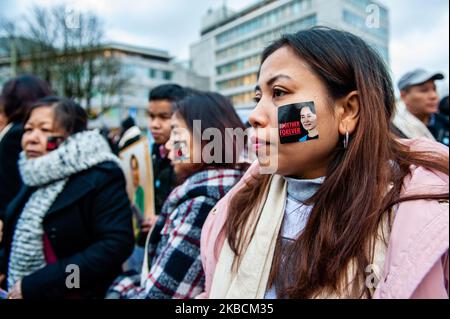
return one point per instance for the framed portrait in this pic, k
(138, 170)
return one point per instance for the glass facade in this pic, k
(258, 43)
(268, 19)
(364, 4)
(249, 79)
(359, 22)
(239, 48)
(242, 98)
(240, 64)
(264, 39)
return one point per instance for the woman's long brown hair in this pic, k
(355, 196)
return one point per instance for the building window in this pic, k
(240, 64)
(359, 22)
(242, 98)
(167, 75)
(249, 79)
(270, 18)
(262, 40)
(363, 4)
(152, 73)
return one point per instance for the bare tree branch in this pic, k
(70, 57)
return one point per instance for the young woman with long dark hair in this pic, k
(356, 213)
(174, 268)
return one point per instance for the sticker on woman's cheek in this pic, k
(297, 123)
(181, 151)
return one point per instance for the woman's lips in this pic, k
(33, 153)
(258, 143)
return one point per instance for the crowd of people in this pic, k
(356, 208)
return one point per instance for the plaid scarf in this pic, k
(175, 267)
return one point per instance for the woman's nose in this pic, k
(258, 118)
(32, 137)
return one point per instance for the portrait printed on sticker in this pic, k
(297, 122)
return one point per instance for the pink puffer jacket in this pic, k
(417, 258)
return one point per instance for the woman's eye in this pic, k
(175, 132)
(256, 99)
(278, 93)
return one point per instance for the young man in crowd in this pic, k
(159, 113)
(160, 107)
(417, 114)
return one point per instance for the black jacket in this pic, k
(164, 178)
(89, 225)
(439, 127)
(10, 181)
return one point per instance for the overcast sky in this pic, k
(419, 29)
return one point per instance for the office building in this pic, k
(231, 43)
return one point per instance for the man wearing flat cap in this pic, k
(417, 112)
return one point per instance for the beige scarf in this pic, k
(250, 280)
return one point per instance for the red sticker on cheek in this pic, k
(53, 142)
(181, 151)
(297, 122)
